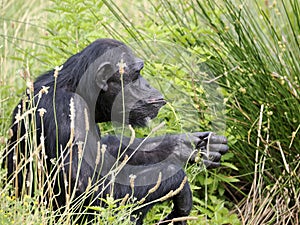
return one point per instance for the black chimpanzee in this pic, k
(103, 83)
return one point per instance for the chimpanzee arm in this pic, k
(177, 149)
(148, 158)
(172, 177)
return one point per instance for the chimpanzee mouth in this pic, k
(159, 101)
(144, 111)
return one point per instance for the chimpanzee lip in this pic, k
(156, 101)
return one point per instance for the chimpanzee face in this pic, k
(127, 89)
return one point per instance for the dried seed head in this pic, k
(29, 85)
(72, 113)
(123, 163)
(132, 178)
(176, 192)
(103, 148)
(42, 111)
(98, 153)
(156, 185)
(72, 125)
(124, 200)
(181, 186)
(86, 117)
(121, 66)
(44, 90)
(53, 161)
(56, 70)
(80, 149)
(167, 196)
(142, 201)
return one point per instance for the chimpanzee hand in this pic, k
(205, 146)
(211, 148)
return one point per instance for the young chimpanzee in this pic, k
(103, 83)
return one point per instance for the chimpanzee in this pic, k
(99, 84)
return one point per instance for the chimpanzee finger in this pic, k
(216, 139)
(211, 156)
(209, 164)
(212, 139)
(221, 148)
(202, 135)
(201, 144)
(191, 138)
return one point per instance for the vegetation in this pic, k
(229, 66)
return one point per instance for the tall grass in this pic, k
(250, 47)
(28, 54)
(18, 49)
(253, 48)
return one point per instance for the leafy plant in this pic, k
(227, 66)
(253, 48)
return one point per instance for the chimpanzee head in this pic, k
(115, 78)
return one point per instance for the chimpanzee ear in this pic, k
(103, 73)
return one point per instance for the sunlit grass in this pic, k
(251, 47)
(20, 22)
(254, 50)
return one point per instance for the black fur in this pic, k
(91, 78)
